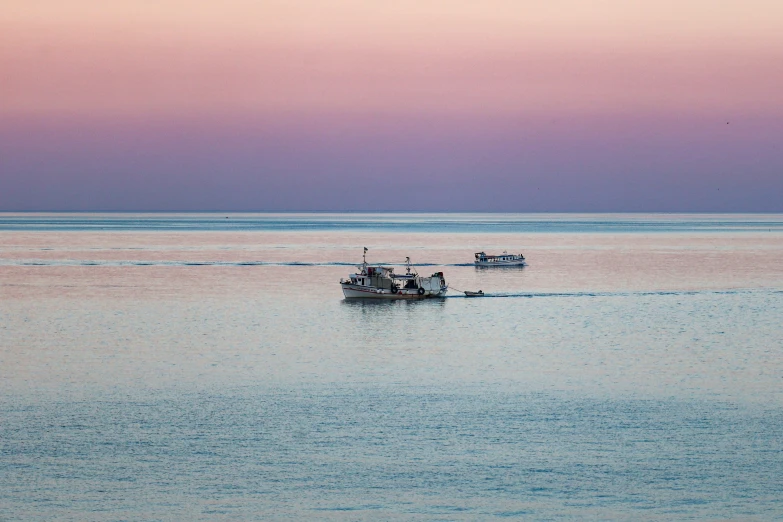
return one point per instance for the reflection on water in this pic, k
(391, 303)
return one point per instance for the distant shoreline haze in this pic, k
(379, 223)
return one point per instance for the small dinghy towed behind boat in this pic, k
(380, 282)
(468, 293)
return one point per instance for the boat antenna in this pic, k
(408, 264)
(364, 257)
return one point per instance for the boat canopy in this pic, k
(482, 255)
(377, 268)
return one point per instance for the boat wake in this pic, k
(737, 291)
(86, 262)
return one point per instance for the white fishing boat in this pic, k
(504, 259)
(380, 282)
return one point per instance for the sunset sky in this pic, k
(564, 105)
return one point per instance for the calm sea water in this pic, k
(203, 366)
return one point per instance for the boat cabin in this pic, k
(374, 276)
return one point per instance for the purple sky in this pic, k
(372, 163)
(429, 106)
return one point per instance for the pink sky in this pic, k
(575, 78)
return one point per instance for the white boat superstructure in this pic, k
(504, 259)
(380, 282)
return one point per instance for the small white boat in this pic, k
(380, 282)
(468, 293)
(504, 259)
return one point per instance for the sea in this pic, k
(206, 366)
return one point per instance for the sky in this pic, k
(425, 105)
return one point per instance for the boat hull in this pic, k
(359, 292)
(501, 263)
